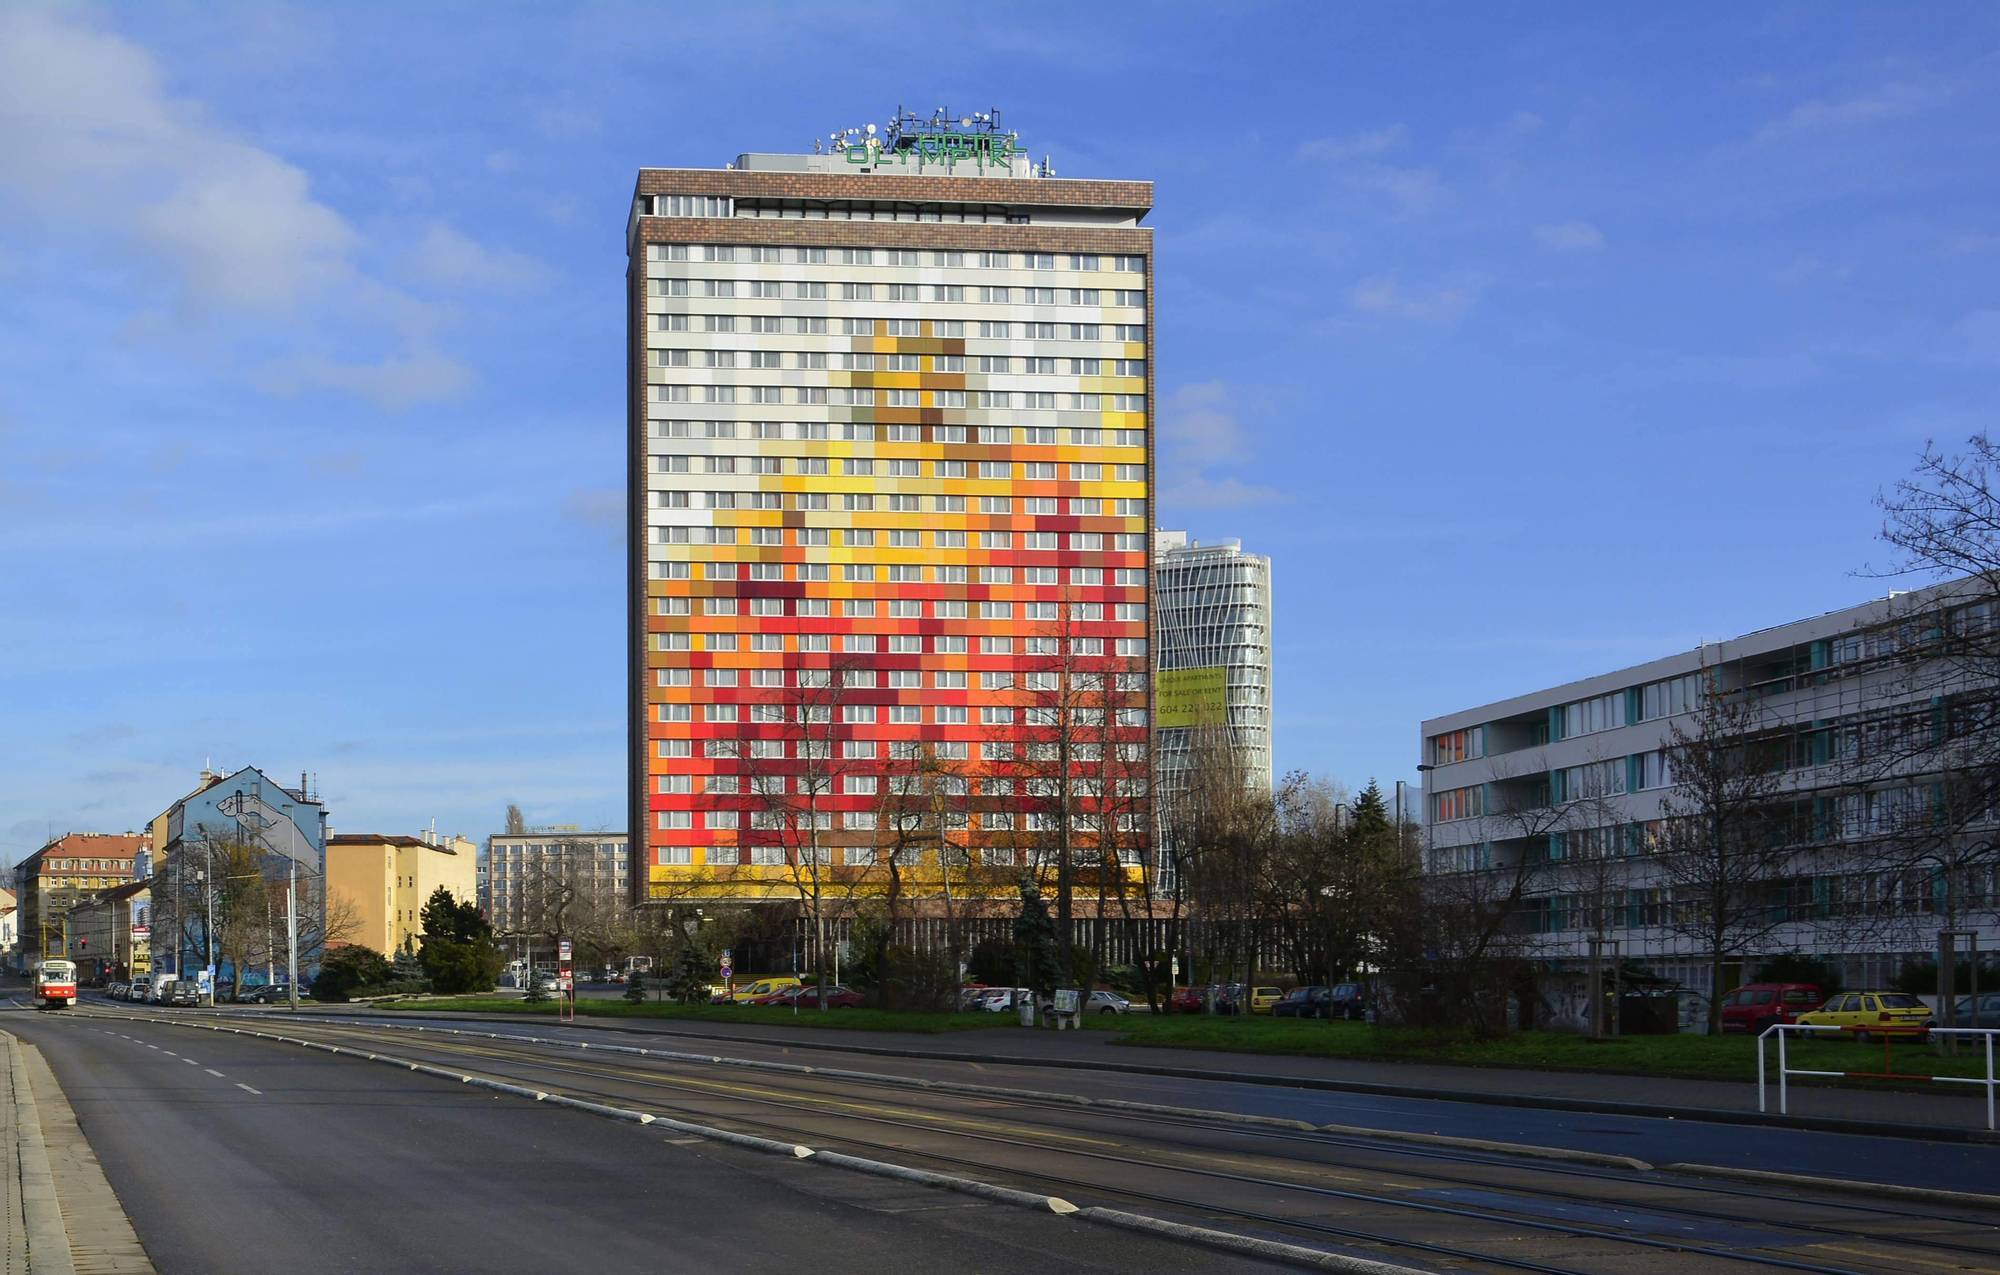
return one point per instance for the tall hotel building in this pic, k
(890, 455)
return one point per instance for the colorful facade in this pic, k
(890, 484)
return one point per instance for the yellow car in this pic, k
(764, 987)
(1865, 1015)
(1263, 998)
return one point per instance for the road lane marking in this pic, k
(168, 1052)
(241, 1085)
(213, 1072)
(190, 1062)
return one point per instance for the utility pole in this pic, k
(292, 931)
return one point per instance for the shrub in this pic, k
(349, 970)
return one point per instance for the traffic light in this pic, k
(83, 944)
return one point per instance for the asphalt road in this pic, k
(232, 1154)
(1908, 1162)
(1463, 1210)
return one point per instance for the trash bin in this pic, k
(1026, 1006)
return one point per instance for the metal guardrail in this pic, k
(1990, 1081)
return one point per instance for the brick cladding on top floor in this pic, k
(1135, 197)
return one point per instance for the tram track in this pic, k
(598, 1079)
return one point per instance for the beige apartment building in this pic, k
(386, 879)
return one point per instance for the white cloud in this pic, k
(396, 382)
(1384, 295)
(1357, 163)
(88, 131)
(1199, 432)
(1354, 145)
(1202, 492)
(602, 508)
(446, 257)
(565, 122)
(1570, 236)
(1890, 101)
(1978, 336)
(1807, 269)
(1196, 426)
(92, 140)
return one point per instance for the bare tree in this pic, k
(1944, 522)
(1477, 925)
(1727, 846)
(795, 795)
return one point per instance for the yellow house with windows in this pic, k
(384, 881)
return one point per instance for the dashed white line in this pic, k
(168, 1052)
(190, 1062)
(213, 1072)
(241, 1085)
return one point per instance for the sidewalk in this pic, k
(61, 1215)
(1953, 1112)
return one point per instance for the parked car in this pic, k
(1348, 1000)
(999, 1000)
(267, 994)
(968, 995)
(1867, 1015)
(837, 997)
(1107, 1002)
(1755, 1007)
(763, 987)
(1184, 1000)
(136, 991)
(1303, 1002)
(182, 991)
(114, 990)
(1263, 998)
(1989, 1010)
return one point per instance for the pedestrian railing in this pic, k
(1990, 1081)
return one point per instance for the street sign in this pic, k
(141, 933)
(727, 967)
(562, 950)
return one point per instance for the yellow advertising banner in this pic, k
(1190, 697)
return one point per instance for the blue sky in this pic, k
(1530, 341)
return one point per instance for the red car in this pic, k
(1185, 1000)
(1754, 1007)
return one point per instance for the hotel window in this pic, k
(1039, 540)
(996, 540)
(947, 433)
(905, 539)
(1042, 331)
(1039, 436)
(990, 295)
(948, 539)
(857, 256)
(906, 327)
(996, 504)
(996, 329)
(1087, 261)
(945, 644)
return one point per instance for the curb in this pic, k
(1270, 1250)
(48, 1235)
(1530, 1151)
(1845, 1186)
(1539, 1102)
(1267, 1249)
